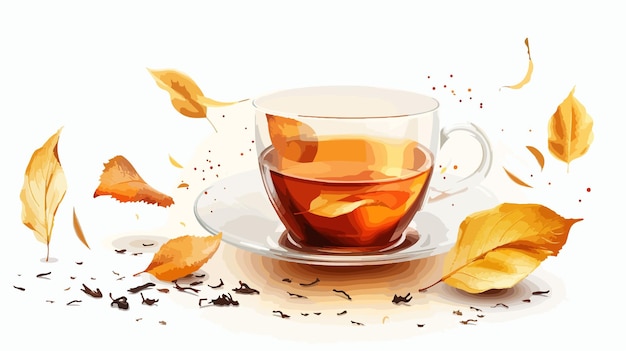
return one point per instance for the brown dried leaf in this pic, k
(79, 230)
(529, 71)
(538, 155)
(121, 181)
(181, 256)
(570, 130)
(516, 179)
(499, 247)
(43, 190)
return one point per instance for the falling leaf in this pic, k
(292, 139)
(183, 185)
(79, 230)
(570, 130)
(186, 96)
(181, 256)
(538, 155)
(121, 181)
(528, 72)
(499, 247)
(174, 162)
(516, 179)
(44, 188)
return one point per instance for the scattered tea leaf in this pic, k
(148, 302)
(499, 247)
(304, 314)
(457, 312)
(401, 299)
(516, 179)
(73, 302)
(43, 190)
(19, 288)
(500, 304)
(526, 300)
(114, 272)
(356, 323)
(120, 302)
(317, 313)
(421, 325)
(185, 288)
(345, 312)
(343, 293)
(78, 229)
(281, 314)
(163, 290)
(49, 301)
(480, 315)
(529, 71)
(120, 180)
(297, 295)
(97, 293)
(317, 280)
(174, 162)
(540, 292)
(221, 283)
(245, 289)
(182, 255)
(162, 322)
(150, 244)
(121, 251)
(68, 288)
(475, 309)
(79, 263)
(222, 300)
(468, 321)
(570, 131)
(198, 282)
(41, 275)
(538, 155)
(141, 287)
(287, 280)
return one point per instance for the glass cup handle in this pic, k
(485, 164)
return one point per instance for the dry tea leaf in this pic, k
(499, 247)
(79, 230)
(570, 130)
(181, 256)
(538, 155)
(43, 190)
(121, 181)
(174, 162)
(516, 179)
(292, 139)
(529, 71)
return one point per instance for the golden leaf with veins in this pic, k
(121, 181)
(570, 130)
(181, 256)
(44, 188)
(499, 247)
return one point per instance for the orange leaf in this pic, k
(121, 181)
(183, 185)
(181, 256)
(79, 230)
(538, 155)
(184, 92)
(516, 179)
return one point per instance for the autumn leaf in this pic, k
(292, 139)
(174, 162)
(43, 190)
(79, 230)
(570, 130)
(538, 155)
(516, 179)
(181, 256)
(529, 71)
(499, 247)
(121, 181)
(187, 97)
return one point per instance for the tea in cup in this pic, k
(346, 168)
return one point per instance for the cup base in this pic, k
(408, 238)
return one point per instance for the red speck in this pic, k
(252, 141)
(588, 190)
(445, 86)
(195, 169)
(211, 167)
(433, 88)
(428, 77)
(241, 153)
(450, 76)
(205, 193)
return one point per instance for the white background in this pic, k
(82, 66)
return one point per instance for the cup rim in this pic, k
(400, 103)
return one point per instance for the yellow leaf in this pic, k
(570, 130)
(331, 205)
(181, 256)
(120, 180)
(184, 92)
(529, 71)
(499, 247)
(174, 162)
(79, 230)
(44, 188)
(516, 179)
(538, 155)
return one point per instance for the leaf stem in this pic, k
(47, 251)
(430, 286)
(212, 125)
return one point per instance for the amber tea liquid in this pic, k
(355, 195)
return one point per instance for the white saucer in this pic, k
(239, 208)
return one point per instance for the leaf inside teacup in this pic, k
(331, 205)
